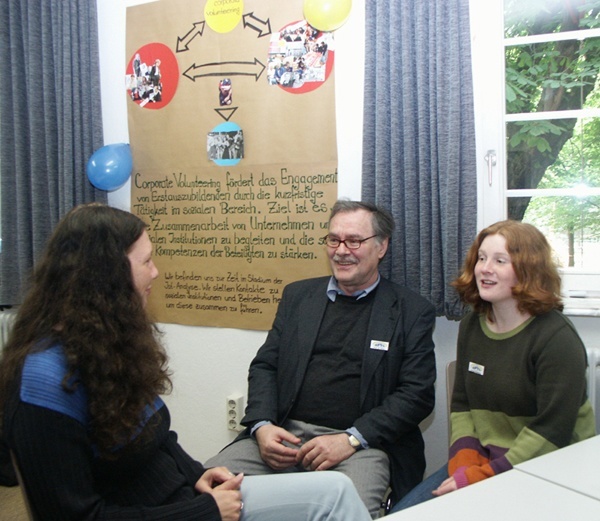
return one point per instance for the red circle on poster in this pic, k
(152, 76)
(300, 58)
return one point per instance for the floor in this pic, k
(12, 507)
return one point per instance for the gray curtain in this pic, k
(419, 140)
(50, 124)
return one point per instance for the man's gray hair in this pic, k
(383, 223)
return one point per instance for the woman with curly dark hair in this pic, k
(80, 384)
(520, 385)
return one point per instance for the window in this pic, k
(536, 74)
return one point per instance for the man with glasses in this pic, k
(346, 373)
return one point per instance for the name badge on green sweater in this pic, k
(476, 368)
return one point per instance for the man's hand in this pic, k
(270, 440)
(324, 452)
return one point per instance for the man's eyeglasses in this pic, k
(351, 244)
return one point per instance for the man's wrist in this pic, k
(354, 442)
(257, 426)
(354, 436)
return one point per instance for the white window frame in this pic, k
(581, 288)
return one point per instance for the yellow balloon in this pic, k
(327, 15)
(222, 16)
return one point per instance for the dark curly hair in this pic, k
(82, 296)
(538, 287)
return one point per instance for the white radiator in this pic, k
(593, 381)
(7, 318)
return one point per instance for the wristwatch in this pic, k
(354, 442)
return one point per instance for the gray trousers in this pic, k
(368, 469)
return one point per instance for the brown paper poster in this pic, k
(232, 131)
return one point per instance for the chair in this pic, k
(386, 504)
(22, 487)
(450, 375)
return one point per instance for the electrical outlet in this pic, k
(235, 412)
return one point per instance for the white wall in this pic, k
(211, 363)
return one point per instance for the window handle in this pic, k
(490, 158)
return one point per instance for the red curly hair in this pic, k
(538, 287)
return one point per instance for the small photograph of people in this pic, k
(152, 76)
(145, 83)
(225, 92)
(225, 145)
(298, 54)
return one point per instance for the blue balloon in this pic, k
(110, 166)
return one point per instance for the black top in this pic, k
(63, 474)
(330, 393)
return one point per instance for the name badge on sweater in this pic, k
(380, 345)
(476, 368)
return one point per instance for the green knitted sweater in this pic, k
(517, 395)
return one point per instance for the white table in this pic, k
(576, 467)
(512, 495)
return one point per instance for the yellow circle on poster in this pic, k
(223, 15)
